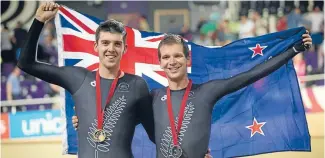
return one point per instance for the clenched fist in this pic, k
(46, 11)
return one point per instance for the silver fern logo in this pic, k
(111, 116)
(166, 141)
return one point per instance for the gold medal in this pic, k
(99, 135)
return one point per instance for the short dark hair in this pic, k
(170, 39)
(111, 26)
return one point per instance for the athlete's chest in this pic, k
(193, 129)
(91, 94)
(195, 111)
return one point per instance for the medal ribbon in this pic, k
(100, 111)
(175, 131)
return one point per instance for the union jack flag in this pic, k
(76, 37)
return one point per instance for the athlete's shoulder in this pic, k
(156, 91)
(77, 72)
(76, 68)
(134, 77)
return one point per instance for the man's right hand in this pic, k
(46, 11)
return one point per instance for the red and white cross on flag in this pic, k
(76, 37)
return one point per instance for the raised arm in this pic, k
(144, 108)
(220, 88)
(68, 77)
(259, 71)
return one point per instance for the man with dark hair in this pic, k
(106, 126)
(112, 26)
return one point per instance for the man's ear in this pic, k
(160, 63)
(95, 46)
(125, 48)
(188, 61)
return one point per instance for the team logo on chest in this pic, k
(123, 87)
(191, 95)
(93, 83)
(164, 97)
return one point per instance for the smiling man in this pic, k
(108, 101)
(182, 111)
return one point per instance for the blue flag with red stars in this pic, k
(266, 116)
